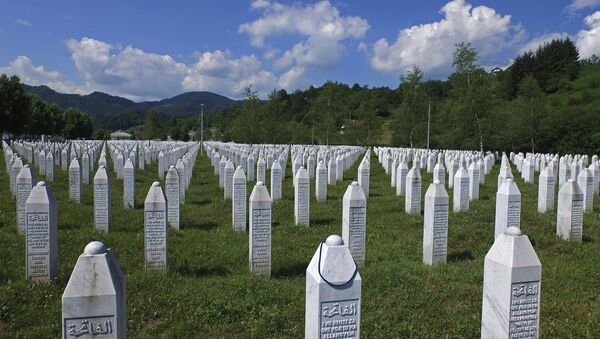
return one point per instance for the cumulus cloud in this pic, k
(576, 5)
(430, 46)
(23, 67)
(138, 75)
(129, 71)
(23, 22)
(293, 79)
(321, 26)
(541, 40)
(220, 72)
(588, 41)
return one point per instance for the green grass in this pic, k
(208, 291)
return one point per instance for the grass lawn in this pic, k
(208, 291)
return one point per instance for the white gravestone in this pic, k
(511, 288)
(474, 181)
(333, 292)
(569, 218)
(238, 209)
(129, 184)
(439, 172)
(222, 164)
(260, 231)
(402, 172)
(585, 180)
(50, 167)
(412, 200)
(172, 192)
(41, 161)
(354, 221)
(546, 184)
(118, 163)
(261, 169)
(321, 182)
(302, 198)
(228, 179)
(180, 167)
(41, 234)
(14, 172)
(75, 193)
(364, 172)
(94, 301)
(161, 164)
(85, 168)
(435, 224)
(332, 171)
(24, 181)
(155, 229)
(102, 200)
(250, 167)
(508, 207)
(460, 193)
(276, 181)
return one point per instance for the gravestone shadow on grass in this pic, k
(321, 221)
(199, 226)
(290, 270)
(198, 202)
(201, 271)
(462, 255)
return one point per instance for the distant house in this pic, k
(120, 135)
(496, 70)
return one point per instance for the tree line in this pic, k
(546, 101)
(28, 115)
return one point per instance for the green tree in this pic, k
(152, 127)
(531, 98)
(247, 126)
(15, 108)
(77, 124)
(411, 120)
(46, 118)
(470, 89)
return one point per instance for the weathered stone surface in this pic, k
(94, 301)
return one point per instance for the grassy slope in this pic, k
(208, 291)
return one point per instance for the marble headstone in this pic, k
(41, 234)
(94, 301)
(102, 200)
(155, 229)
(260, 231)
(354, 221)
(435, 224)
(333, 292)
(511, 288)
(172, 193)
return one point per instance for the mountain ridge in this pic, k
(115, 112)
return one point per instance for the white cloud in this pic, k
(430, 46)
(220, 72)
(293, 79)
(23, 22)
(321, 25)
(38, 75)
(130, 72)
(541, 40)
(581, 4)
(588, 41)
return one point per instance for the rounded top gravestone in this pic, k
(95, 247)
(334, 240)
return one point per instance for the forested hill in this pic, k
(114, 112)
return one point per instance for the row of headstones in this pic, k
(155, 223)
(333, 292)
(467, 178)
(260, 203)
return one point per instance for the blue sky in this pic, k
(146, 50)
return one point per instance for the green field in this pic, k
(208, 290)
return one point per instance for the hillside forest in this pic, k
(548, 100)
